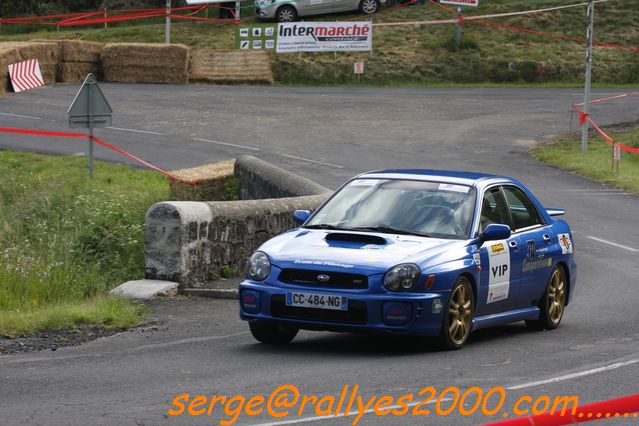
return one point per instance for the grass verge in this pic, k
(566, 153)
(65, 240)
(425, 55)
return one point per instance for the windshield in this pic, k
(430, 209)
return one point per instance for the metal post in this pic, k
(589, 34)
(90, 133)
(167, 31)
(105, 18)
(458, 32)
(237, 10)
(91, 148)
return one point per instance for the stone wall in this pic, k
(259, 179)
(193, 243)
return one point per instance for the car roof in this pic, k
(458, 177)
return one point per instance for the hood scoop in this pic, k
(356, 238)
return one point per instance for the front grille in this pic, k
(356, 313)
(335, 279)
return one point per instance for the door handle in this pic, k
(546, 238)
(513, 244)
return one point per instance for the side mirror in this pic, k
(495, 231)
(301, 216)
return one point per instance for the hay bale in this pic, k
(80, 51)
(73, 72)
(233, 66)
(215, 182)
(145, 63)
(47, 53)
(8, 56)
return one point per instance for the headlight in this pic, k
(259, 266)
(402, 277)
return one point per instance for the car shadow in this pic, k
(375, 345)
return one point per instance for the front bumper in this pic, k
(365, 310)
(266, 10)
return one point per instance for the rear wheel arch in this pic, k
(563, 266)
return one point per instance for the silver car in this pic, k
(290, 10)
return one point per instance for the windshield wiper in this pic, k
(323, 226)
(388, 230)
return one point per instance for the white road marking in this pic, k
(612, 244)
(311, 161)
(574, 375)
(227, 144)
(21, 116)
(349, 414)
(514, 387)
(134, 131)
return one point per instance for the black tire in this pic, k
(458, 317)
(272, 333)
(368, 7)
(553, 303)
(286, 14)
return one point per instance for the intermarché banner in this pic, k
(324, 37)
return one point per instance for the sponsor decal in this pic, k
(255, 36)
(565, 243)
(324, 37)
(496, 249)
(498, 272)
(323, 263)
(535, 259)
(453, 188)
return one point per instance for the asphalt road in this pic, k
(329, 134)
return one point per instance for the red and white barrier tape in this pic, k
(474, 17)
(583, 118)
(612, 409)
(99, 141)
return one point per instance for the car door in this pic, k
(315, 7)
(497, 276)
(345, 5)
(535, 239)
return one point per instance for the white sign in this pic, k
(195, 2)
(498, 271)
(324, 37)
(358, 68)
(460, 2)
(617, 152)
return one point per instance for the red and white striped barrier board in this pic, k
(26, 75)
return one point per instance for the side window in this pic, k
(522, 210)
(493, 208)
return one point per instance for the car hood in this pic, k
(368, 253)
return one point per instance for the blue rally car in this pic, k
(416, 252)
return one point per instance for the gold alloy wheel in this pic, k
(459, 315)
(556, 296)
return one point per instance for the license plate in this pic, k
(317, 301)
